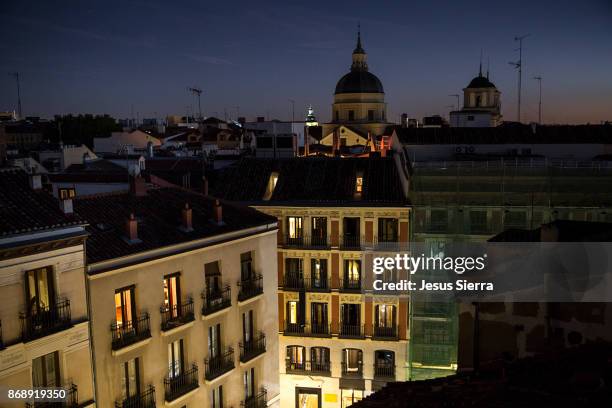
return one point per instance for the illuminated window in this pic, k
(294, 227)
(66, 193)
(124, 306)
(271, 186)
(292, 312)
(172, 294)
(359, 184)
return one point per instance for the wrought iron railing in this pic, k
(130, 332)
(352, 370)
(305, 241)
(351, 242)
(351, 284)
(219, 365)
(384, 370)
(176, 315)
(384, 332)
(45, 320)
(351, 331)
(306, 367)
(181, 384)
(213, 301)
(311, 330)
(145, 399)
(249, 288)
(259, 400)
(71, 400)
(253, 347)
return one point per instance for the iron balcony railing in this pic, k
(353, 242)
(45, 320)
(305, 241)
(253, 347)
(249, 288)
(130, 332)
(352, 370)
(310, 330)
(256, 401)
(308, 367)
(176, 315)
(351, 331)
(384, 332)
(351, 285)
(384, 370)
(181, 384)
(388, 244)
(71, 400)
(145, 399)
(296, 281)
(213, 301)
(219, 365)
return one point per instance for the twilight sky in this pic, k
(115, 56)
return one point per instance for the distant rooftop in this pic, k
(308, 180)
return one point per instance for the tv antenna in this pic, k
(519, 65)
(539, 79)
(16, 76)
(197, 92)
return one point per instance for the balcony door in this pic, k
(46, 371)
(384, 316)
(249, 383)
(217, 397)
(351, 230)
(350, 314)
(319, 358)
(130, 378)
(40, 292)
(295, 272)
(246, 266)
(212, 273)
(319, 230)
(318, 317)
(294, 230)
(214, 341)
(247, 327)
(352, 274)
(125, 307)
(172, 294)
(296, 356)
(352, 359)
(387, 230)
(176, 360)
(318, 272)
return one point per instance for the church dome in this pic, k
(359, 81)
(481, 82)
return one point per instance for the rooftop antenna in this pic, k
(16, 76)
(519, 65)
(197, 92)
(539, 79)
(488, 66)
(480, 66)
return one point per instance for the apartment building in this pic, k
(182, 300)
(469, 184)
(338, 340)
(44, 333)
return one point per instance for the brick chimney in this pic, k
(204, 186)
(131, 230)
(186, 219)
(138, 187)
(218, 213)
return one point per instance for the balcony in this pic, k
(385, 333)
(309, 368)
(350, 285)
(349, 331)
(131, 331)
(307, 330)
(351, 242)
(145, 399)
(249, 288)
(352, 370)
(181, 384)
(217, 300)
(176, 315)
(384, 372)
(253, 348)
(46, 320)
(256, 401)
(390, 244)
(315, 242)
(71, 400)
(293, 281)
(219, 365)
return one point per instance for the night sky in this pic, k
(112, 57)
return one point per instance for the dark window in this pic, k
(387, 229)
(284, 142)
(470, 117)
(319, 228)
(246, 266)
(350, 314)
(337, 116)
(176, 360)
(214, 340)
(318, 316)
(212, 274)
(265, 142)
(45, 371)
(130, 378)
(351, 115)
(370, 115)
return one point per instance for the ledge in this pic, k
(177, 329)
(131, 347)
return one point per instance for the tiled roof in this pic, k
(23, 210)
(577, 377)
(98, 165)
(159, 217)
(511, 133)
(304, 181)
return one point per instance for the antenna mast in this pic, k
(539, 79)
(519, 65)
(16, 76)
(197, 92)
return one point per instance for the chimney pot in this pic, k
(218, 212)
(131, 230)
(187, 219)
